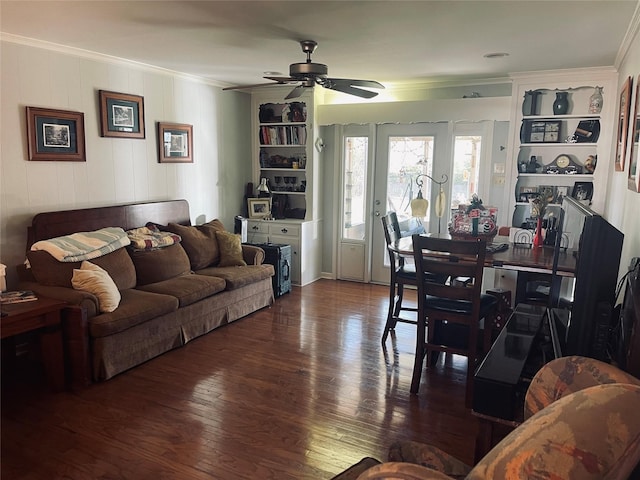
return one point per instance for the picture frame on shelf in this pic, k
(582, 191)
(547, 192)
(624, 104)
(121, 115)
(259, 207)
(561, 192)
(634, 148)
(527, 193)
(55, 135)
(541, 131)
(175, 143)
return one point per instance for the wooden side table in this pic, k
(43, 315)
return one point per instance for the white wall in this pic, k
(623, 205)
(117, 170)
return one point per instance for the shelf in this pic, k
(281, 124)
(287, 145)
(556, 175)
(560, 144)
(283, 169)
(586, 116)
(286, 192)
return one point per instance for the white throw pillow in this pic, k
(93, 279)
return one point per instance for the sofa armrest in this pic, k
(405, 471)
(566, 375)
(252, 255)
(73, 297)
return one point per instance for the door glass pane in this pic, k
(408, 157)
(466, 168)
(354, 187)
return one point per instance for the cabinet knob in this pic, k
(255, 227)
(284, 230)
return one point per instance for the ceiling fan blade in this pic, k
(355, 83)
(282, 79)
(239, 87)
(296, 92)
(346, 88)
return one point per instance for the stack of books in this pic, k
(18, 296)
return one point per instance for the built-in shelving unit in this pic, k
(564, 154)
(284, 154)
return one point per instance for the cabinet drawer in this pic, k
(285, 230)
(257, 227)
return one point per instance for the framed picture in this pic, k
(121, 115)
(55, 135)
(527, 193)
(634, 154)
(543, 132)
(259, 207)
(547, 192)
(561, 192)
(624, 105)
(175, 143)
(582, 191)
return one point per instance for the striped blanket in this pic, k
(84, 245)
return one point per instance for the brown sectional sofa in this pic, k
(169, 295)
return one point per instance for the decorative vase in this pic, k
(561, 104)
(595, 101)
(538, 240)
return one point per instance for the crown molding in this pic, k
(87, 54)
(632, 31)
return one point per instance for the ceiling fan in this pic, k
(310, 74)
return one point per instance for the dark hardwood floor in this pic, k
(300, 390)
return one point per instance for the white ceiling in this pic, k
(236, 42)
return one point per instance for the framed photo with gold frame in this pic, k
(175, 143)
(121, 115)
(259, 207)
(634, 148)
(55, 135)
(624, 105)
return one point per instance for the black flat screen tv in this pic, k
(597, 247)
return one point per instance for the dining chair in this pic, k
(401, 274)
(453, 311)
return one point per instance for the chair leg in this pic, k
(391, 322)
(420, 354)
(399, 297)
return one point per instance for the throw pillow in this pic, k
(230, 249)
(95, 280)
(199, 242)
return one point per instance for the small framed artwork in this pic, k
(259, 207)
(175, 143)
(547, 193)
(634, 154)
(527, 193)
(55, 135)
(121, 115)
(543, 132)
(624, 105)
(551, 132)
(561, 192)
(582, 191)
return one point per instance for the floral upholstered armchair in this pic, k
(582, 423)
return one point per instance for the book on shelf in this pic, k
(18, 296)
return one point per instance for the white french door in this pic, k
(403, 152)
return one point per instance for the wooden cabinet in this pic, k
(563, 152)
(304, 238)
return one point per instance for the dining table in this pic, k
(519, 257)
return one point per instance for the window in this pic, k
(466, 168)
(354, 187)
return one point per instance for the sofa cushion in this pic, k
(49, 271)
(93, 279)
(237, 277)
(187, 288)
(199, 242)
(154, 266)
(135, 307)
(230, 246)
